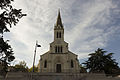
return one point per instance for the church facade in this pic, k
(59, 59)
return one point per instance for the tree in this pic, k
(99, 61)
(6, 55)
(9, 16)
(82, 69)
(21, 66)
(35, 69)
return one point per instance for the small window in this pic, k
(57, 34)
(72, 65)
(61, 49)
(56, 49)
(60, 35)
(45, 64)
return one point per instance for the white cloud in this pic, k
(85, 24)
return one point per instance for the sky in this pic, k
(88, 24)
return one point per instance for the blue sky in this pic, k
(89, 24)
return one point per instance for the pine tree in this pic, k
(99, 61)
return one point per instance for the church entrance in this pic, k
(58, 68)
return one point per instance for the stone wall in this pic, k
(56, 76)
(64, 59)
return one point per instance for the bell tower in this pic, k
(59, 45)
(59, 29)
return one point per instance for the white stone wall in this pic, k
(63, 59)
(59, 43)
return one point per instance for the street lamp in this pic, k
(36, 45)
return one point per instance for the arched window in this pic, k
(59, 34)
(72, 65)
(61, 49)
(45, 64)
(55, 49)
(58, 49)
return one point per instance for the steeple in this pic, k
(59, 21)
(59, 45)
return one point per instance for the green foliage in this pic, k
(35, 69)
(6, 55)
(9, 16)
(82, 69)
(6, 51)
(101, 62)
(21, 66)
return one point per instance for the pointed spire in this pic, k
(59, 21)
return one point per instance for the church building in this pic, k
(59, 59)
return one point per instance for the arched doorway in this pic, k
(58, 68)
